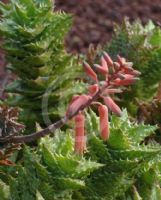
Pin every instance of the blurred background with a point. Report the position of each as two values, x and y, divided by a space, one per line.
93 21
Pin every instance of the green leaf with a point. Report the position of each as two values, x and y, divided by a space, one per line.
4 191
68 183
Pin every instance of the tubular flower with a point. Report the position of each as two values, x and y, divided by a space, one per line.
116 66
117 75
89 71
104 63
111 91
121 60
112 105
108 59
80 139
101 69
93 89
126 81
76 104
104 124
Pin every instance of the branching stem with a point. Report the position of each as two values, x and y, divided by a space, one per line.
51 128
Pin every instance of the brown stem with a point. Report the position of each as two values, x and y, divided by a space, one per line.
51 128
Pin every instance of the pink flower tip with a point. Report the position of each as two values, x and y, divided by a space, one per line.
89 71
108 59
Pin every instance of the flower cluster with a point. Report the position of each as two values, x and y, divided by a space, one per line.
107 78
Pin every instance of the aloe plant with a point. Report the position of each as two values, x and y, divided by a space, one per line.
53 170
121 168
127 161
34 43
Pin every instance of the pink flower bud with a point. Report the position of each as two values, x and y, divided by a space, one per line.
76 104
124 82
120 76
104 124
104 63
111 91
89 71
74 98
112 105
93 89
134 72
116 65
80 139
128 64
100 69
126 69
108 59
127 76
121 60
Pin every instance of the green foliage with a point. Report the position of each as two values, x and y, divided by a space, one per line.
4 191
53 171
121 169
149 185
34 43
152 116
142 46
126 161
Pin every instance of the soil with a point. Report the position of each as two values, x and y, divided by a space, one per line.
93 21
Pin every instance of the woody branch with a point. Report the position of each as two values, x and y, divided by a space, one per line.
51 128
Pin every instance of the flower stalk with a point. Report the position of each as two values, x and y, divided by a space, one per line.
101 89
